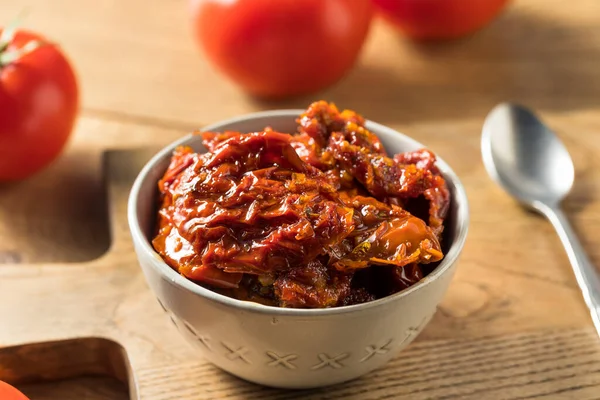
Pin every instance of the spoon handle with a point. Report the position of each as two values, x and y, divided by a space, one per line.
585 273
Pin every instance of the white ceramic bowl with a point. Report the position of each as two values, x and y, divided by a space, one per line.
291 348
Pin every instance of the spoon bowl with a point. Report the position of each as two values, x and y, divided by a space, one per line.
526 157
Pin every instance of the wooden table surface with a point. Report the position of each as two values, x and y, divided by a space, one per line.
513 324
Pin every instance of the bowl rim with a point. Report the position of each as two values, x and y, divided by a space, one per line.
177 279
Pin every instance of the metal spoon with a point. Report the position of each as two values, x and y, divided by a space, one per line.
530 162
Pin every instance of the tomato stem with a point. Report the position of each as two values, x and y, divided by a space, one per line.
8 35
9 57
9 32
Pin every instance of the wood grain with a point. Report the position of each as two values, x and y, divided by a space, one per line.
63 359
513 324
82 388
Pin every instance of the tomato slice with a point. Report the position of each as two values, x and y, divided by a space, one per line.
7 392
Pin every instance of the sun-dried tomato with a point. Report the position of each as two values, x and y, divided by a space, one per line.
318 218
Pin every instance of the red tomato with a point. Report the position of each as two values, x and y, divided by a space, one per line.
439 19
38 106
277 48
8 392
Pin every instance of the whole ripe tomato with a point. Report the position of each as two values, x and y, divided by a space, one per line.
38 104
278 48
439 19
8 392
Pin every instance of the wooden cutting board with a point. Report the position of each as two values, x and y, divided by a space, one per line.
77 320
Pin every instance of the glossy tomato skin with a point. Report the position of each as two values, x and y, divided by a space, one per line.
8 392
439 19
38 107
279 48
